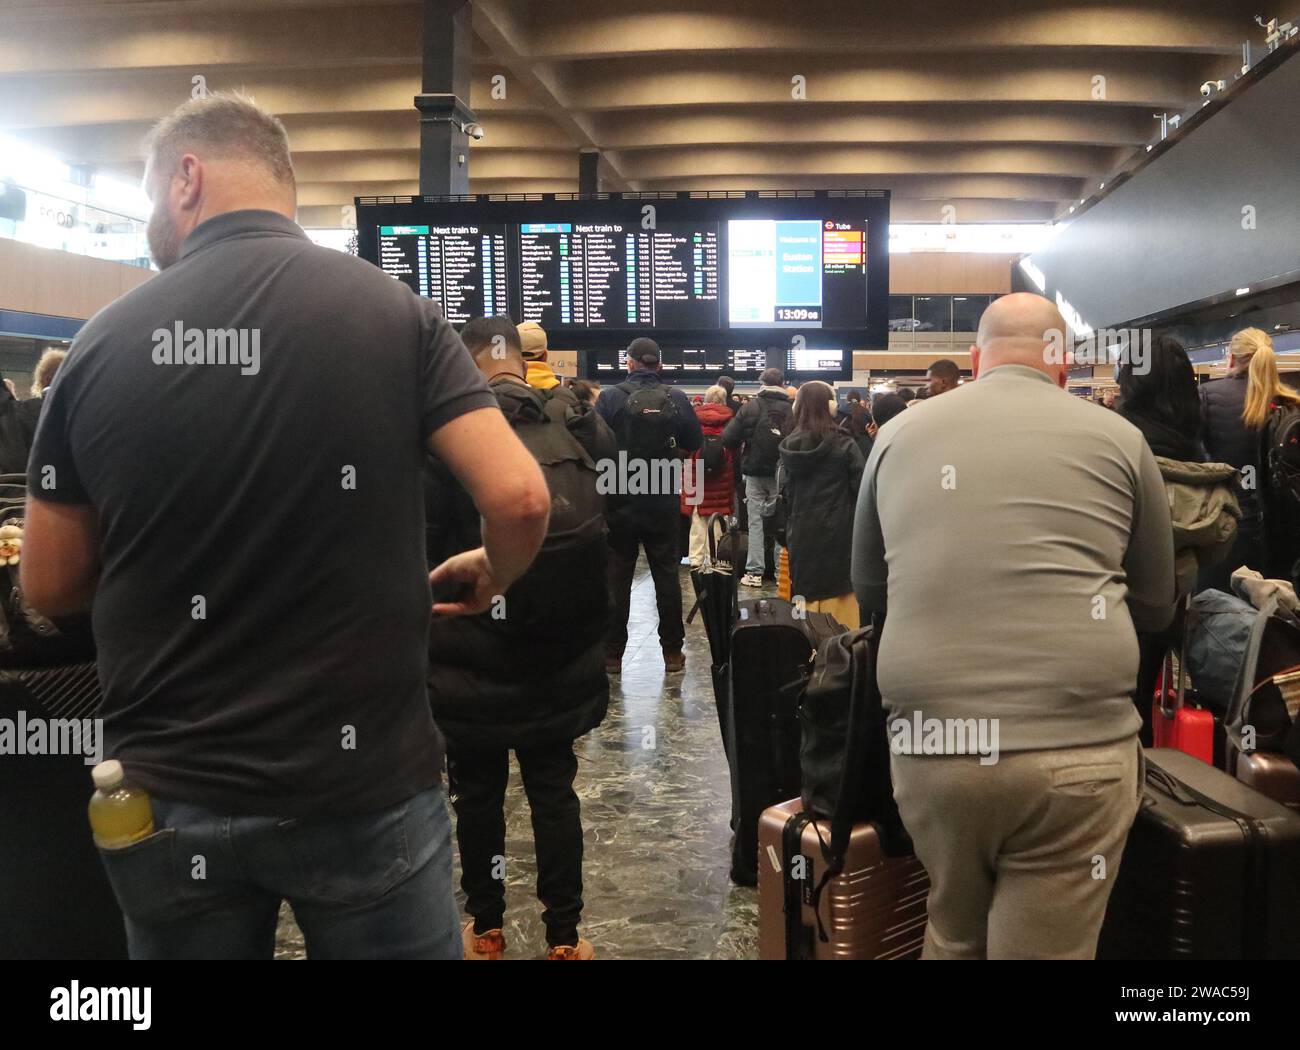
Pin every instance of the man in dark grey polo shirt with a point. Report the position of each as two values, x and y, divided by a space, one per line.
229 464
1017 536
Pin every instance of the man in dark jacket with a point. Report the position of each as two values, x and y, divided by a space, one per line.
655 424
729 385
17 429
758 429
527 675
1227 439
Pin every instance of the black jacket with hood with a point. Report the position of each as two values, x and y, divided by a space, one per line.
819 478
769 403
494 683
1225 435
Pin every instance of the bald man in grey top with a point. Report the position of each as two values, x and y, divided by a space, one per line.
1017 536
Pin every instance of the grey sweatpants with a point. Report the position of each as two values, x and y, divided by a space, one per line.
1022 854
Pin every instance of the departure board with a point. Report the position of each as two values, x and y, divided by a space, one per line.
615 275
462 268
745 361
756 272
679 362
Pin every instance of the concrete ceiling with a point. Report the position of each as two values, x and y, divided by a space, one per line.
991 108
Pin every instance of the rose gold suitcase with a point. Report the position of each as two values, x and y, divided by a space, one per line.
875 909
1270 773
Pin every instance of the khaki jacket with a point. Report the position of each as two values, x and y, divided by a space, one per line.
1204 510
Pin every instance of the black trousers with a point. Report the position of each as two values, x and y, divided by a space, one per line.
657 533
478 784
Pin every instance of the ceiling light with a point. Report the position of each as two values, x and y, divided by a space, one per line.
1243 291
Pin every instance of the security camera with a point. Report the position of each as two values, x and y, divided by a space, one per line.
474 131
1211 86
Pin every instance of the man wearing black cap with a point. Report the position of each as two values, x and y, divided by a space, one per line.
655 424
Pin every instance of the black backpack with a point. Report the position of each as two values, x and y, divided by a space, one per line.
844 748
649 420
1282 454
763 450
569 568
713 455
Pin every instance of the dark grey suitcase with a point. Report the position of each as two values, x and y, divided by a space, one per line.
771 655
1211 870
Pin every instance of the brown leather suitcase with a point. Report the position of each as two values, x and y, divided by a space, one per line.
875 909
1270 773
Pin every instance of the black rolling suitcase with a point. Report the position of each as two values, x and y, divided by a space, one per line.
771 653
1211 870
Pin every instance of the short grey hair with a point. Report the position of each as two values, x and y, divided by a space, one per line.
715 395
226 123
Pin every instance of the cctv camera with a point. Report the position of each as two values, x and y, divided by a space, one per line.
1207 87
474 131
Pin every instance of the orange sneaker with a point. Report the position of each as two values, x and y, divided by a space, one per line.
490 945
583 951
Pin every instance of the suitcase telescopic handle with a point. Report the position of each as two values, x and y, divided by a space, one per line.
1182 665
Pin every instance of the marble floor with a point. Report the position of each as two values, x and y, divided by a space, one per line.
655 809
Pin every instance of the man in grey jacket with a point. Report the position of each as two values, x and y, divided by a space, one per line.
758 430
1018 537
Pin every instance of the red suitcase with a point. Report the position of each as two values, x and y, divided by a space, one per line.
875 909
1177 724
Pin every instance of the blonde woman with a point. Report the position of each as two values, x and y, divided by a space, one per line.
1227 439
1270 407
46 368
30 410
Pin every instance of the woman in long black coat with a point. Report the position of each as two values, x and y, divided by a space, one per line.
821 469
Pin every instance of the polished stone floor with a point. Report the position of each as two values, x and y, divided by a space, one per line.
655 809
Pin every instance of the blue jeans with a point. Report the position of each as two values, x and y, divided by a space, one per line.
207 885
760 495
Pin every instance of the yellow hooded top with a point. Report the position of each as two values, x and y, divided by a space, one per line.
532 338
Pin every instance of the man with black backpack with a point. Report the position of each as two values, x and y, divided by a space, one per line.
655 425
527 674
758 430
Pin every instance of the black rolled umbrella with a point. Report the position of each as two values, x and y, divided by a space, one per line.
715 601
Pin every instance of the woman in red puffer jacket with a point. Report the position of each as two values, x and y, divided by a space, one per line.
719 484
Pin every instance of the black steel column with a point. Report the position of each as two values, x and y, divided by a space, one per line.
588 162
444 99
